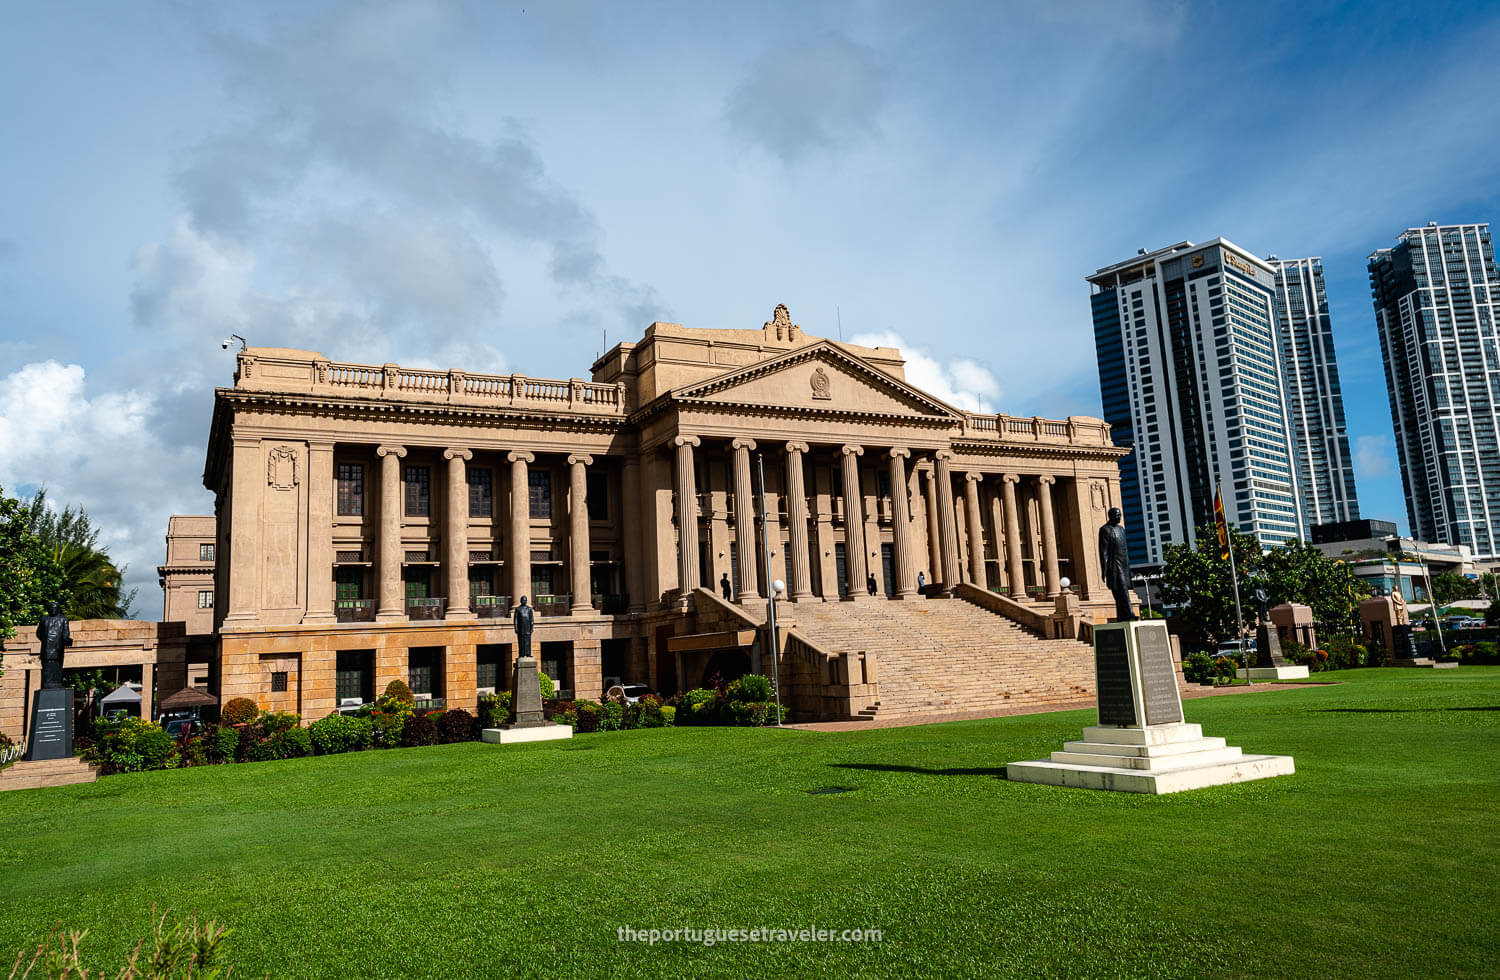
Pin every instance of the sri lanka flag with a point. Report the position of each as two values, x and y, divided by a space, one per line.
1219 523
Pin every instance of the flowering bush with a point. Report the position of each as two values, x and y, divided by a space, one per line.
398 691
133 745
494 710
288 743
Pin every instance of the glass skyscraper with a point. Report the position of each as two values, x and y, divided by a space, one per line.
1314 397
1436 293
1191 378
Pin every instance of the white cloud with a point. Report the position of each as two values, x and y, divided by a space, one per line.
961 382
1374 457
101 451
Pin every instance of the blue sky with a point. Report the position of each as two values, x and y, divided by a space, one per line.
502 187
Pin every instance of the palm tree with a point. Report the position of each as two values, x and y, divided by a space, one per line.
89 575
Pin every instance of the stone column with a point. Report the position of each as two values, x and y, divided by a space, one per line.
319 533
520 525
635 555
796 511
687 516
1049 535
934 535
247 480
578 534
947 520
392 602
456 535
744 521
854 524
1017 578
148 690
906 573
975 524
997 534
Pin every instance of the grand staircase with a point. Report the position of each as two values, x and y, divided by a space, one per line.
947 655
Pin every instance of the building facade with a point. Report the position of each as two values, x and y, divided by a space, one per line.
187 575
376 522
1314 396
1436 293
1191 378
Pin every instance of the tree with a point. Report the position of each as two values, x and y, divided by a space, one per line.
29 577
1295 572
90 579
1198 583
1492 614
1450 586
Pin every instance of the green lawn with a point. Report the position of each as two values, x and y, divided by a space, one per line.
1379 857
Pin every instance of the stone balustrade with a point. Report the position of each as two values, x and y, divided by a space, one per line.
1074 431
281 370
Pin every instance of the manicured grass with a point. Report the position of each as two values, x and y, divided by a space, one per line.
1378 858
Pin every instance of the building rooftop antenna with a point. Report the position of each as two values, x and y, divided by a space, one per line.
839 313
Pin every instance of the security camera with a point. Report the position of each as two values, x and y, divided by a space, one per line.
224 345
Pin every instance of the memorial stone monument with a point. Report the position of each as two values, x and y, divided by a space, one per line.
528 725
1141 743
1269 664
52 708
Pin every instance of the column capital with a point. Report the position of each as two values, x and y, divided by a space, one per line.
680 441
1010 478
852 450
899 451
746 444
584 458
320 446
520 456
398 451
944 454
455 453
974 477
1046 480
797 447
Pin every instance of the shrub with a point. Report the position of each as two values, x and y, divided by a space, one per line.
668 716
699 706
239 711
419 730
1197 667
289 743
587 713
753 713
1483 652
457 725
494 710
549 689
398 690
194 751
751 687
340 733
224 742
645 713
1224 668
133 745
612 716
564 713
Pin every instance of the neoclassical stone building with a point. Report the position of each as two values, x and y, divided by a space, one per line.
377 521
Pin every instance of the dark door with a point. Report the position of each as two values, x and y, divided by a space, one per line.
888 569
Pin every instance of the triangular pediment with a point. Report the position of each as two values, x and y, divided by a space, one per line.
818 378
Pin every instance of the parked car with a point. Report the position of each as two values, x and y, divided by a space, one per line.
181 728
1235 646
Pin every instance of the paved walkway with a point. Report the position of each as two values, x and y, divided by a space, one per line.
1188 693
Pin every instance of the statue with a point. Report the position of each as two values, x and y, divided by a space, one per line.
1114 561
53 632
1262 615
522 619
1399 614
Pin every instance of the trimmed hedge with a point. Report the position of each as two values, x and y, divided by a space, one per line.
239 711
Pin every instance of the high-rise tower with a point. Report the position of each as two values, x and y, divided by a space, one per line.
1314 397
1192 381
1436 293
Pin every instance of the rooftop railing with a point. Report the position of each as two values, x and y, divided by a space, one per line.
1077 430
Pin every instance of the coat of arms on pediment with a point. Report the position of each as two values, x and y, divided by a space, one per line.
820 377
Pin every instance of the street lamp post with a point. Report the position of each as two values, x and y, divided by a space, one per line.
773 586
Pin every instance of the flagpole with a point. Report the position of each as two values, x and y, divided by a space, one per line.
1234 579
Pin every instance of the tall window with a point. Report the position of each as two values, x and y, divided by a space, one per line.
349 583
351 489
882 483
598 497
205 552
541 495
418 582
205 598
481 493
418 491
541 581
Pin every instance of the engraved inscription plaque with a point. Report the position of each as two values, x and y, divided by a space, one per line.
1112 677
1158 676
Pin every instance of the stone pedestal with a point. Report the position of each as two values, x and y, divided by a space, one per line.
509 736
526 695
1291 672
51 733
1142 744
1268 646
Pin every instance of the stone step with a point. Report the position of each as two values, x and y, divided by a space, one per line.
1209 756
49 772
